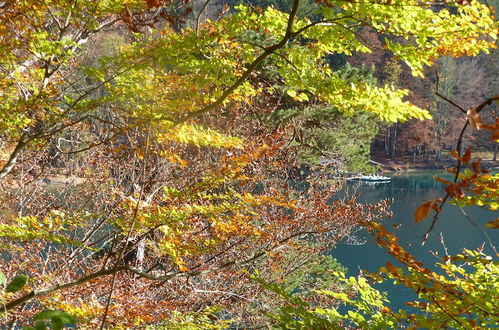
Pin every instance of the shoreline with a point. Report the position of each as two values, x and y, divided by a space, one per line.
394 166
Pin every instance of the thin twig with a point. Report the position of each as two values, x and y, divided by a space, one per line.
448 314
479 227
198 18
437 93
447 195
130 229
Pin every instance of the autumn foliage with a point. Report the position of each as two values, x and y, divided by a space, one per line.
143 179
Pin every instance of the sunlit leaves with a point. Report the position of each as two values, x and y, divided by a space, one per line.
52 228
196 194
473 187
204 319
428 33
201 137
366 307
478 189
221 49
457 294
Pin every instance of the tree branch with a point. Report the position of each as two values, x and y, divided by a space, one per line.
45 291
11 162
479 108
268 51
166 277
437 93
198 18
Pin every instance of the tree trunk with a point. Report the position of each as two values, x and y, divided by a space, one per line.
11 162
393 142
439 153
387 142
141 249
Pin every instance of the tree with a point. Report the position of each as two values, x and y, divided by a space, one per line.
323 135
459 296
177 203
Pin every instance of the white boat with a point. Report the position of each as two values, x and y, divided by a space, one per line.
371 178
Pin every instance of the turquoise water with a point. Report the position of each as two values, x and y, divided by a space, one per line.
408 192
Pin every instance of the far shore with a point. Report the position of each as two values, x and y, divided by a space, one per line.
402 165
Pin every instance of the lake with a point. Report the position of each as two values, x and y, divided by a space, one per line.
408 191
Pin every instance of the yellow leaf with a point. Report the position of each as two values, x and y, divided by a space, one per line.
140 154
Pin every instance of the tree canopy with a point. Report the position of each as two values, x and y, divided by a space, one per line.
174 147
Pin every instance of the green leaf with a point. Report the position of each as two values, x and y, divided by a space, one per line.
3 279
40 325
17 283
51 314
291 92
57 318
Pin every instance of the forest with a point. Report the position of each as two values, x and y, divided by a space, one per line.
177 164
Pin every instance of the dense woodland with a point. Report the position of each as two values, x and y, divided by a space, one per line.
153 159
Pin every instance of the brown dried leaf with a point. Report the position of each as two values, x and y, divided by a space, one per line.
422 211
467 156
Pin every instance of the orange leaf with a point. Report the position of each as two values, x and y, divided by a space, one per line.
391 267
451 189
442 180
493 224
476 166
495 130
422 211
495 135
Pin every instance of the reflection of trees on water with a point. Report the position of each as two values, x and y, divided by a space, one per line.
401 186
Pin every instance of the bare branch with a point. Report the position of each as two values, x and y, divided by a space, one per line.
437 93
198 18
